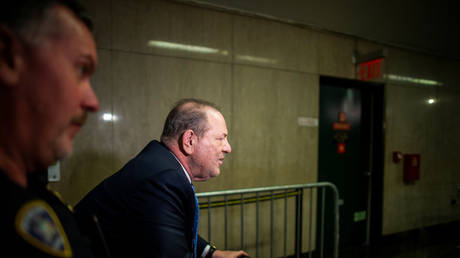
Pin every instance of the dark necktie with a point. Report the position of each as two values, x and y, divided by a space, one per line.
195 223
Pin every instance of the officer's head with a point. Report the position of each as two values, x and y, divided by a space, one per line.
47 55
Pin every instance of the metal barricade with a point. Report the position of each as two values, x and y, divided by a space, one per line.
248 201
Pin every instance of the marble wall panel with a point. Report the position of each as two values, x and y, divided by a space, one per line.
411 128
406 66
335 55
270 144
273 44
100 13
165 28
448 140
364 47
428 129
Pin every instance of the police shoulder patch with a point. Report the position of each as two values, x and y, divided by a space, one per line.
39 225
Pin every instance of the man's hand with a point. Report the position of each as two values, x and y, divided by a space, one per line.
229 254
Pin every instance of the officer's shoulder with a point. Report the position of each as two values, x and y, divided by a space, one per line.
37 223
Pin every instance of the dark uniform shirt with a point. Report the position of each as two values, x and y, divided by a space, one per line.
35 223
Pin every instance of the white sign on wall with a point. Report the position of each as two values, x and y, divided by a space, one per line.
54 172
307 121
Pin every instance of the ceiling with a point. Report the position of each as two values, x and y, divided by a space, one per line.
425 25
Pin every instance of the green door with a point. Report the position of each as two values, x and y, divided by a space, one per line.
344 160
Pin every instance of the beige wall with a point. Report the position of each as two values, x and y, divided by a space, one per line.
264 75
413 126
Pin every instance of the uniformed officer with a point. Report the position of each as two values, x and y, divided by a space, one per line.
47 55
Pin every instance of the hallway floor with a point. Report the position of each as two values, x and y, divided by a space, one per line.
446 250
442 241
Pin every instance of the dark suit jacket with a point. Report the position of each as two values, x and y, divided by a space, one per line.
144 210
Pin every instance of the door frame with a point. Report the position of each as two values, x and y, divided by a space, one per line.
377 92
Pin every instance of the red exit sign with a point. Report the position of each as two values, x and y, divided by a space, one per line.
370 70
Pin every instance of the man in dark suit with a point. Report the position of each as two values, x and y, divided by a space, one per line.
149 208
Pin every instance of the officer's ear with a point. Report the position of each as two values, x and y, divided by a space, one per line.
188 142
10 57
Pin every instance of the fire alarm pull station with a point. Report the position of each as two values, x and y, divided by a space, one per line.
411 169
397 156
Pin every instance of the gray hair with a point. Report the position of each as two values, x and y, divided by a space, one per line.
186 114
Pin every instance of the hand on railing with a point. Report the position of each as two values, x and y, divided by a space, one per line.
229 254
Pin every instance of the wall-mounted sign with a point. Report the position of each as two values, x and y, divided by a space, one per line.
359 216
370 66
54 172
341 148
341 127
370 70
307 121
341 124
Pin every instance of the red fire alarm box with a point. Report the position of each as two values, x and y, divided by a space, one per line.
411 167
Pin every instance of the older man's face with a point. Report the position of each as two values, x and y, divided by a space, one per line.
211 148
55 84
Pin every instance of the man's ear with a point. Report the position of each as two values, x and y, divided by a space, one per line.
10 57
188 141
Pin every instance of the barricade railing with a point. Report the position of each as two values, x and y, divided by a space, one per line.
252 202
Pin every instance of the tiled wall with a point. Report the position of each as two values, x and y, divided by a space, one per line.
264 74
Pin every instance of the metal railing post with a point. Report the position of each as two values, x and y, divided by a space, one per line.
257 225
285 223
310 226
271 223
242 222
323 200
298 225
209 218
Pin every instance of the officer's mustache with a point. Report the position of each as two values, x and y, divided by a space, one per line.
80 120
